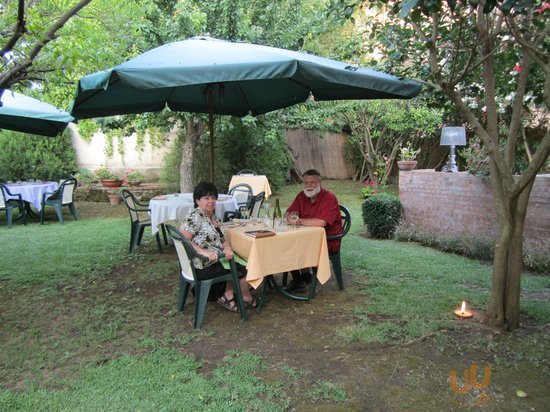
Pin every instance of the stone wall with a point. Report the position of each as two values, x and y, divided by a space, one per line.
459 202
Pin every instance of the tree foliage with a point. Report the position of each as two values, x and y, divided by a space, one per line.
34 157
490 59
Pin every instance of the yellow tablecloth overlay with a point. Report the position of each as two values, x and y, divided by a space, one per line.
293 249
259 183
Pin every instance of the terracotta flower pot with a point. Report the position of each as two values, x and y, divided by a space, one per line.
406 165
114 199
111 183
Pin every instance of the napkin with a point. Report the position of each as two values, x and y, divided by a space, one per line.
160 198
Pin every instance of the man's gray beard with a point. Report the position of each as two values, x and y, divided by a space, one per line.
313 193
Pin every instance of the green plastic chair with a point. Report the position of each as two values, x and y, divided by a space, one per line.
138 222
335 256
334 260
188 277
254 206
9 201
242 192
63 196
247 172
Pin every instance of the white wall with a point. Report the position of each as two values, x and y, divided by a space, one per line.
91 155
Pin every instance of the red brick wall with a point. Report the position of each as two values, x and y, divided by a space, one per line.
459 202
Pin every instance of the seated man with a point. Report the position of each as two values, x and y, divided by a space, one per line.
316 207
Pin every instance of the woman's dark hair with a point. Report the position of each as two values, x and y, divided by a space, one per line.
204 189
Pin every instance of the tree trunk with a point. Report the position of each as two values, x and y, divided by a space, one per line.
504 305
193 131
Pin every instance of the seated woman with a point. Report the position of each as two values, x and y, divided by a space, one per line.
203 229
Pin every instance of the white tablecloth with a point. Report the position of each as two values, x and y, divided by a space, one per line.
172 207
32 191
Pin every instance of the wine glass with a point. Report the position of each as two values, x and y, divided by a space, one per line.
266 221
245 213
294 218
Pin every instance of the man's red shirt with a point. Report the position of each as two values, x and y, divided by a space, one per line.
325 207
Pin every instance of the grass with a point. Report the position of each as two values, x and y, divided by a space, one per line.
86 326
58 253
163 377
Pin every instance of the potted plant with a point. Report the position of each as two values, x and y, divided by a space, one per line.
108 178
134 177
407 157
114 196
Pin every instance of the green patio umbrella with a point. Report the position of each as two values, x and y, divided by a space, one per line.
25 114
206 75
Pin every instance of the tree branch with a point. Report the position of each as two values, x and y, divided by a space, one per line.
19 70
517 110
19 31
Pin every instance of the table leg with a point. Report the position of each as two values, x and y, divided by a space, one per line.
281 289
29 210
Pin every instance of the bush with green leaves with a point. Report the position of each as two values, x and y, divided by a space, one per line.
26 156
256 143
381 215
474 246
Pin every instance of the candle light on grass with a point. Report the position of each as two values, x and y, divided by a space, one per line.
462 312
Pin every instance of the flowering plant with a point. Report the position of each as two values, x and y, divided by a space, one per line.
368 188
104 173
407 153
476 157
134 176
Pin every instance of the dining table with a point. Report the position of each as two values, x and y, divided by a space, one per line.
289 249
32 192
176 207
258 183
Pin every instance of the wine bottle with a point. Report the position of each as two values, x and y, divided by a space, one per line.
277 215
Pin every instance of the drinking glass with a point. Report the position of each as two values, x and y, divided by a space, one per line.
245 214
294 218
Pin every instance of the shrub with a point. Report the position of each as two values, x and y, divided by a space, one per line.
86 176
474 246
381 215
465 244
24 156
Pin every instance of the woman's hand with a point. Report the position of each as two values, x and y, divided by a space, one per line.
212 256
228 252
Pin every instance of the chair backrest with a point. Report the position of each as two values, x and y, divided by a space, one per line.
185 252
256 204
246 172
67 190
131 203
346 223
242 192
3 196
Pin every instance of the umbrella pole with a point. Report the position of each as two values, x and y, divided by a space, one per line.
211 126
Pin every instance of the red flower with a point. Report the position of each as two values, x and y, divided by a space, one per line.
517 68
542 8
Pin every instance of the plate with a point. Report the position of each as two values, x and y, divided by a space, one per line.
230 225
241 221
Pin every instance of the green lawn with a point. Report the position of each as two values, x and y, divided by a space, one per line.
86 326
